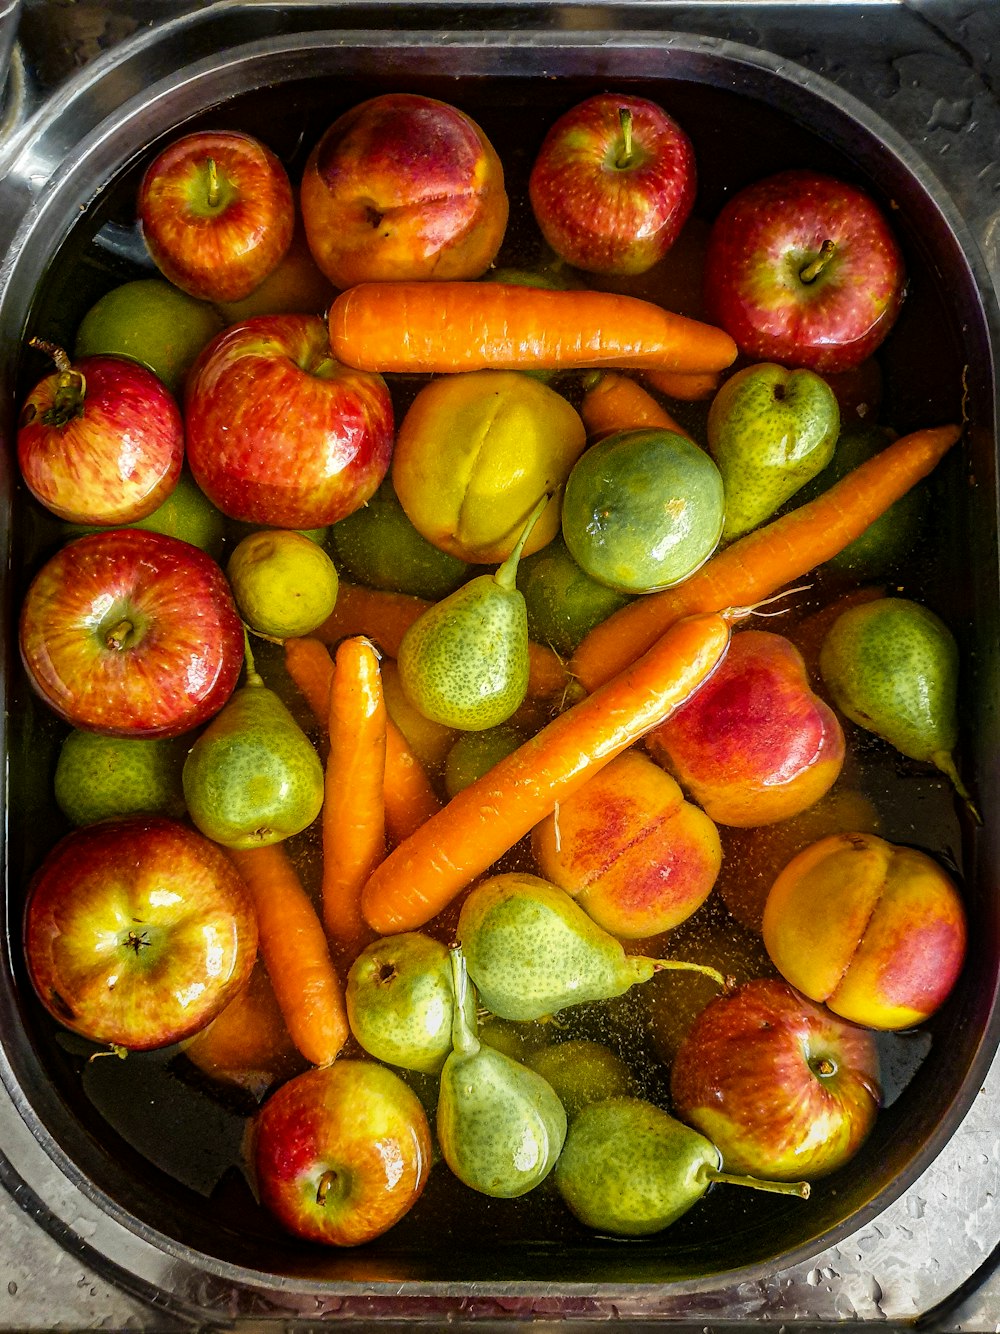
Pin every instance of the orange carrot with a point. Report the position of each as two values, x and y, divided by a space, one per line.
385 617
353 827
296 953
410 798
483 820
310 666
616 403
768 558
464 326
689 387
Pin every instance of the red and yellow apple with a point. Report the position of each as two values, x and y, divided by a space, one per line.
781 1086
138 932
754 744
875 930
100 441
341 1153
635 855
217 213
279 433
131 633
403 187
613 184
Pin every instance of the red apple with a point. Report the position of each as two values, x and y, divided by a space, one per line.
403 187
131 633
138 932
217 213
783 1087
613 184
278 432
100 441
341 1153
804 269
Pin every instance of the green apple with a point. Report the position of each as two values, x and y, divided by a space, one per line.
770 430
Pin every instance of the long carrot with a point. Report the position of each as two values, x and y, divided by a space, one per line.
384 617
616 403
483 820
409 795
464 326
296 953
353 819
689 387
768 558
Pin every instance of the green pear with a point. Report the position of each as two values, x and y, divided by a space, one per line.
253 777
891 665
631 1169
531 950
770 430
464 662
500 1126
400 1001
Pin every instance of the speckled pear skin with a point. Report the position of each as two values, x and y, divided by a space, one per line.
253 777
631 1169
770 431
501 1126
531 950
891 665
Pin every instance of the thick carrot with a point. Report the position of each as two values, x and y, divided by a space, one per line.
296 953
616 403
385 617
465 326
410 798
353 821
689 387
483 820
768 558
310 666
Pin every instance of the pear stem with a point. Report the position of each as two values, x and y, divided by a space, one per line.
463 1037
624 158
799 1188
942 759
254 677
506 575
681 965
811 271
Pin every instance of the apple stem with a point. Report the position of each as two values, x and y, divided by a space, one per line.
799 1188
71 386
624 158
212 171
119 635
811 271
326 1184
682 965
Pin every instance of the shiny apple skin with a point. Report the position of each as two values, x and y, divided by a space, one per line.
216 252
117 458
138 932
131 633
757 246
752 1075
403 187
341 1153
601 217
278 432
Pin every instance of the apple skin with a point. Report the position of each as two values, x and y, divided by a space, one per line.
781 1086
100 441
759 245
341 1153
403 187
138 932
131 633
216 249
598 212
278 432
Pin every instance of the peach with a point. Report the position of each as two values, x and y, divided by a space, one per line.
637 857
755 744
403 187
875 930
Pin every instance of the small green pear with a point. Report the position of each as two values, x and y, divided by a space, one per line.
400 1001
770 430
464 662
252 777
628 1168
531 950
891 665
500 1126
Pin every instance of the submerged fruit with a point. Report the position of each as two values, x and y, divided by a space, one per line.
284 583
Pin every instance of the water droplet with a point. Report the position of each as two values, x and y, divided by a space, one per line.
950 113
